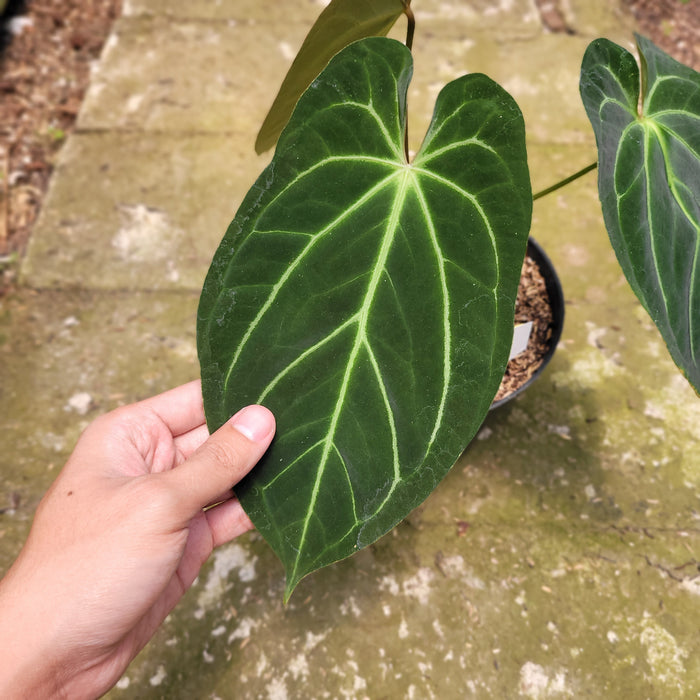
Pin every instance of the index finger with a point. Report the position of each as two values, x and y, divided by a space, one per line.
181 408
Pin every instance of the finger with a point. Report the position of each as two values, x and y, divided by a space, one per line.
227 456
207 530
181 409
227 521
187 443
220 498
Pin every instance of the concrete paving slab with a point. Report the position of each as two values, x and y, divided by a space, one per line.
164 74
236 10
546 91
138 211
134 149
65 358
147 212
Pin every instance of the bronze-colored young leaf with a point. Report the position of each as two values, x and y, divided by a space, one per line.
341 23
367 301
649 183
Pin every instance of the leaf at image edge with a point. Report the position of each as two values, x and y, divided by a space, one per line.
649 183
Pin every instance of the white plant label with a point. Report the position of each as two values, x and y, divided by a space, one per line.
521 337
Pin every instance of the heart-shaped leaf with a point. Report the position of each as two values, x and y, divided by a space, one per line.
367 301
341 23
649 183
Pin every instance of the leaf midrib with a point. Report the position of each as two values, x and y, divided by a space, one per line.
276 288
660 132
362 319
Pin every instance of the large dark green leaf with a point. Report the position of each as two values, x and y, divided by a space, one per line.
649 183
341 23
368 302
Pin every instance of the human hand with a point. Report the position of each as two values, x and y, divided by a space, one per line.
118 538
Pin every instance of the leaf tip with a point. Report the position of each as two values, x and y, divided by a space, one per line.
289 589
264 141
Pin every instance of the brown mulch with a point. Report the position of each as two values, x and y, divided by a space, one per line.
45 70
673 25
532 304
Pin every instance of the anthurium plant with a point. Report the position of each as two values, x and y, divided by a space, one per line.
367 297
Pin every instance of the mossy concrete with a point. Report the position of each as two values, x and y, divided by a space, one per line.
104 227
559 558
65 358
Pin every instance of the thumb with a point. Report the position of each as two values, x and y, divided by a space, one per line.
223 460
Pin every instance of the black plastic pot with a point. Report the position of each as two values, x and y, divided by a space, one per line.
556 302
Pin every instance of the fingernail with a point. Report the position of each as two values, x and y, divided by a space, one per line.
255 422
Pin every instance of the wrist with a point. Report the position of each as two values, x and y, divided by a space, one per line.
31 664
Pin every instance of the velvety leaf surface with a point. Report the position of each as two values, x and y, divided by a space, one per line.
649 183
340 23
368 302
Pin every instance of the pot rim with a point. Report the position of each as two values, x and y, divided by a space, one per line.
556 302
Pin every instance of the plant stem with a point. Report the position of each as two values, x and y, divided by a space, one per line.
410 30
411 23
566 181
